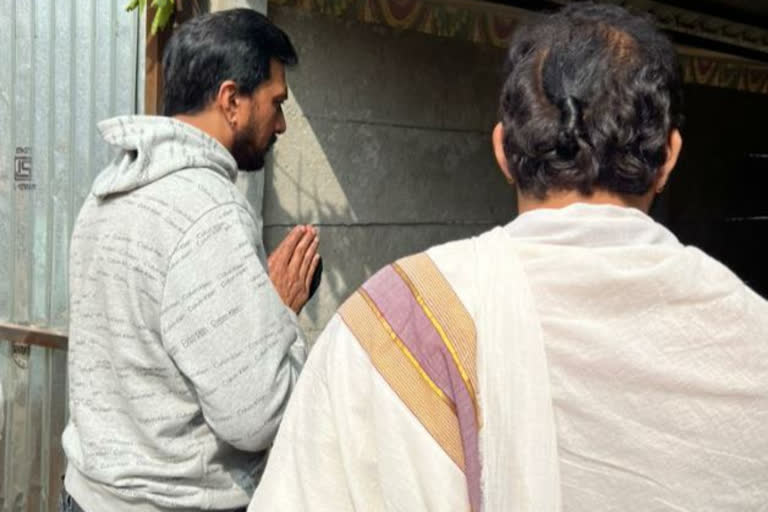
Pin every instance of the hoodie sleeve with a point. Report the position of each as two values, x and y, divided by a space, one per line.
227 330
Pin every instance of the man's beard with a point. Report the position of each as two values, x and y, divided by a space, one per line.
247 155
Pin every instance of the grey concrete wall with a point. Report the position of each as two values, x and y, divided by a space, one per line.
387 149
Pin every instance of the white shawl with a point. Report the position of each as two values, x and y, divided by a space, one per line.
518 446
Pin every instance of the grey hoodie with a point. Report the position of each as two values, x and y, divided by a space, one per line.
182 355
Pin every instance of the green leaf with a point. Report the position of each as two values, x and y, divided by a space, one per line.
161 4
165 9
134 4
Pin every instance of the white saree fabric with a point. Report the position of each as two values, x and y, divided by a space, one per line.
347 443
518 446
642 362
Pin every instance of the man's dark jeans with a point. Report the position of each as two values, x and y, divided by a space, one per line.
67 503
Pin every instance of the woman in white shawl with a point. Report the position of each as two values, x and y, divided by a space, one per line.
579 358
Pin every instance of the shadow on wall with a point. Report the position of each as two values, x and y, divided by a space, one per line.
387 149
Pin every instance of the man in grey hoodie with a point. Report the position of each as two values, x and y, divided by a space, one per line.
184 345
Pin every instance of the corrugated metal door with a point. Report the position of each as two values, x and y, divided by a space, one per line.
64 65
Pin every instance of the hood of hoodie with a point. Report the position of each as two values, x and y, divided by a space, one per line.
151 147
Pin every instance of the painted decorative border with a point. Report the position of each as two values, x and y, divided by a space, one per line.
467 21
729 74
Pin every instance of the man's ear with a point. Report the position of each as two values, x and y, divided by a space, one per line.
227 101
498 150
674 146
